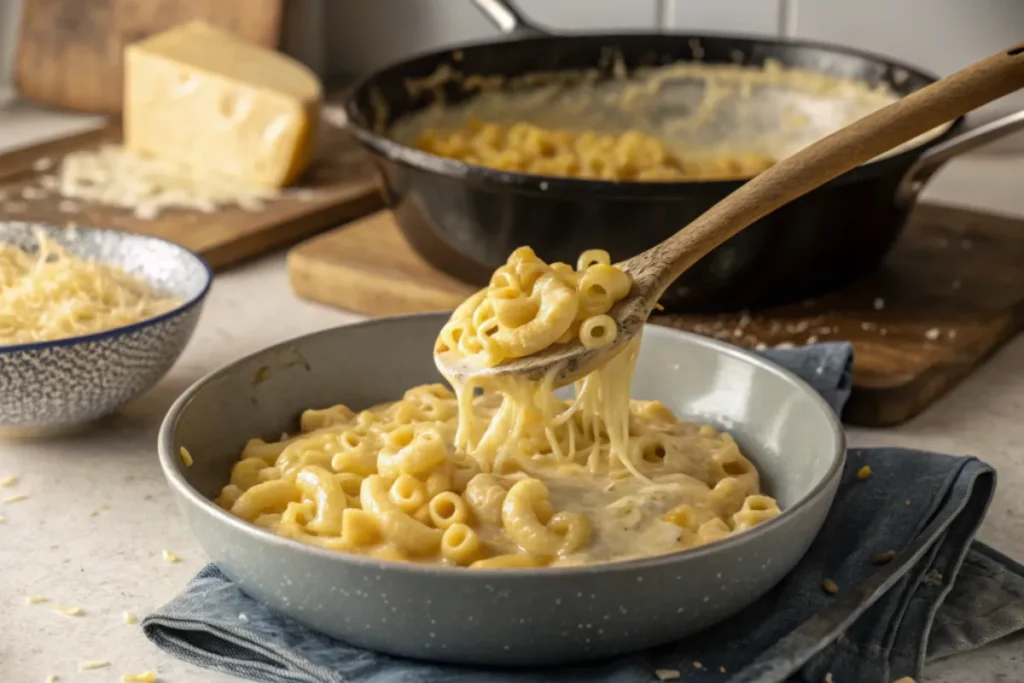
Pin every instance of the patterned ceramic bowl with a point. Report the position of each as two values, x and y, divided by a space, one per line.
69 382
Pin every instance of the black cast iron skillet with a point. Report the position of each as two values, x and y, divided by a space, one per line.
466 219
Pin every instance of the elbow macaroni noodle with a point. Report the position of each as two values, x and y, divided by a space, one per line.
504 474
629 156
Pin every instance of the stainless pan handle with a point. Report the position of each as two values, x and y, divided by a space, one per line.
508 19
918 175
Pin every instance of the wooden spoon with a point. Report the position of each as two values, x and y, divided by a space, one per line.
655 269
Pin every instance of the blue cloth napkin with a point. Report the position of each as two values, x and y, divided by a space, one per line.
940 593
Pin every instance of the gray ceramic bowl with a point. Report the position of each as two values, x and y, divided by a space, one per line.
62 384
511 617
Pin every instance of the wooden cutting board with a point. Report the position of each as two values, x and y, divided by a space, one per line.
949 295
340 185
70 52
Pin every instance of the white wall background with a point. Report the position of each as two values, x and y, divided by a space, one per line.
361 35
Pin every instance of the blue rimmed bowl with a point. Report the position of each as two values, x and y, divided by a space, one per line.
62 384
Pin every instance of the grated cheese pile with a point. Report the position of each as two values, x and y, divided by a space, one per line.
114 176
54 295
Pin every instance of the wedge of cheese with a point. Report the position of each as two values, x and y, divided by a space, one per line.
203 97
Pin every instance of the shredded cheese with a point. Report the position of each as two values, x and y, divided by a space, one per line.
666 674
16 498
55 295
129 618
114 176
9 480
144 677
186 457
170 556
98 509
35 599
95 664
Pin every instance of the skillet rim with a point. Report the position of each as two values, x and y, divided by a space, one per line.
169 463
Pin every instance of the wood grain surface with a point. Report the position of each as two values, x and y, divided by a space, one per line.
70 52
340 185
949 295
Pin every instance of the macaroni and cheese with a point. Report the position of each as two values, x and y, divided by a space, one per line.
632 155
502 473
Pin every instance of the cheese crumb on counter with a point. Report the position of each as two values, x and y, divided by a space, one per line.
186 457
144 677
9 480
35 599
666 674
98 509
51 679
3 519
16 498
171 556
830 586
69 610
129 618
864 472
94 664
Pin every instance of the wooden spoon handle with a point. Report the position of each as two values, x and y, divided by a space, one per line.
903 120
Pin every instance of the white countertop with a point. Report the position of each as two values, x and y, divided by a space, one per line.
62 544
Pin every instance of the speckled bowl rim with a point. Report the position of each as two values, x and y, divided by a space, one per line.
169 460
124 329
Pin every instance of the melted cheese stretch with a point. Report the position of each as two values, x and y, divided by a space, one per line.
509 476
54 295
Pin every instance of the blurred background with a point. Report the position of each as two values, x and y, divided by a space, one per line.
345 37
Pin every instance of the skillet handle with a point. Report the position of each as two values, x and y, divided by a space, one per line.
508 19
918 175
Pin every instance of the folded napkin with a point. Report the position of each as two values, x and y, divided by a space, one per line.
940 593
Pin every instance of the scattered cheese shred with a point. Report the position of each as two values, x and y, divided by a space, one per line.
130 618
54 295
186 457
99 508
9 480
35 599
69 610
171 556
2 519
144 677
95 664
666 674
864 472
884 558
51 679
830 586
697 665
114 176
16 498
